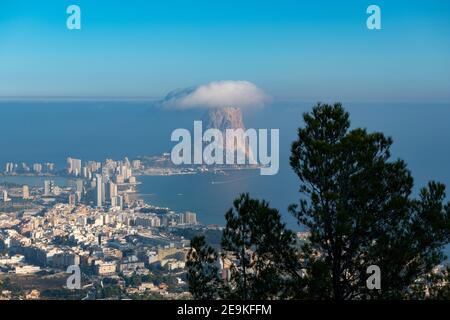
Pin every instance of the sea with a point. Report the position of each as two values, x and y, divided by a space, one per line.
52 130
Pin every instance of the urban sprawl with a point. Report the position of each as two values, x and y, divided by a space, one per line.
125 248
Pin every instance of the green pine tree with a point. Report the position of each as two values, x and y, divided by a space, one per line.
258 247
203 270
265 263
356 202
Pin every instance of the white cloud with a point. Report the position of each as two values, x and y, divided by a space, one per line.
218 94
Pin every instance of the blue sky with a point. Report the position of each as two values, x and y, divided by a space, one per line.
307 50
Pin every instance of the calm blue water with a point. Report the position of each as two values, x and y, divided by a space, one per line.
35 181
212 195
51 131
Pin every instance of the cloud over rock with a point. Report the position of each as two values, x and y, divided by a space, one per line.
217 94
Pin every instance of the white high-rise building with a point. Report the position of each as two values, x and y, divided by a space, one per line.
79 185
49 166
5 196
99 190
37 167
85 172
112 190
114 201
136 164
77 166
25 192
73 166
120 202
69 165
188 218
125 171
104 184
48 187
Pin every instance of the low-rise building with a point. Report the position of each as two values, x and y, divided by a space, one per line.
104 268
27 269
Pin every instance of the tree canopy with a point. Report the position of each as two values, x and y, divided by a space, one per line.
357 204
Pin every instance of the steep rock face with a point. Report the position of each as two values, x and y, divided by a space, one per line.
229 118
225 118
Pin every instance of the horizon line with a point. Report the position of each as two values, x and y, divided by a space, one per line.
154 99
